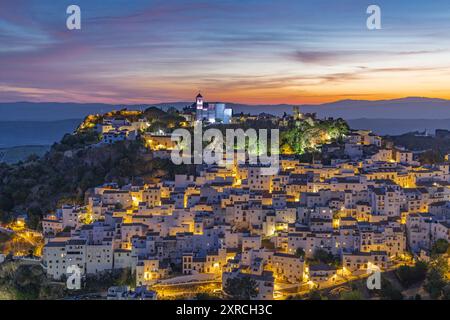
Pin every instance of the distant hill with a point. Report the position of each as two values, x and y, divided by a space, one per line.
399 126
51 111
23 133
406 108
16 154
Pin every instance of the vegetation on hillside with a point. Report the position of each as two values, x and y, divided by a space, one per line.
436 282
39 185
241 288
322 256
19 281
433 148
64 174
308 136
411 275
298 137
27 282
441 246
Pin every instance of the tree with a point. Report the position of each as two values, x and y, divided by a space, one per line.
440 247
300 253
308 135
314 295
205 296
410 275
6 203
435 279
435 283
323 256
351 295
27 281
388 292
32 157
241 287
446 292
124 277
5 217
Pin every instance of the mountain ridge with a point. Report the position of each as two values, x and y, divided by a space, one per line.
401 108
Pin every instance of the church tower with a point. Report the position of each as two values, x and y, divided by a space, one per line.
297 113
199 107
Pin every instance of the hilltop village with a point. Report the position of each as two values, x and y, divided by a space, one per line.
314 224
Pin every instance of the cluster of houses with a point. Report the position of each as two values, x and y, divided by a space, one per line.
117 127
114 129
372 207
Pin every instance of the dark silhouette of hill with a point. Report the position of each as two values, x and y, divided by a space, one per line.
405 108
400 126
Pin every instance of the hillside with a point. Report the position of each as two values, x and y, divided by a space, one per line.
30 134
68 170
75 164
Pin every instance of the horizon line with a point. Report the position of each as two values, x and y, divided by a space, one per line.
229 102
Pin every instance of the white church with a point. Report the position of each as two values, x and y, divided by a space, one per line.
212 112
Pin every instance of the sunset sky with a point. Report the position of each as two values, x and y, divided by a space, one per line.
247 51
